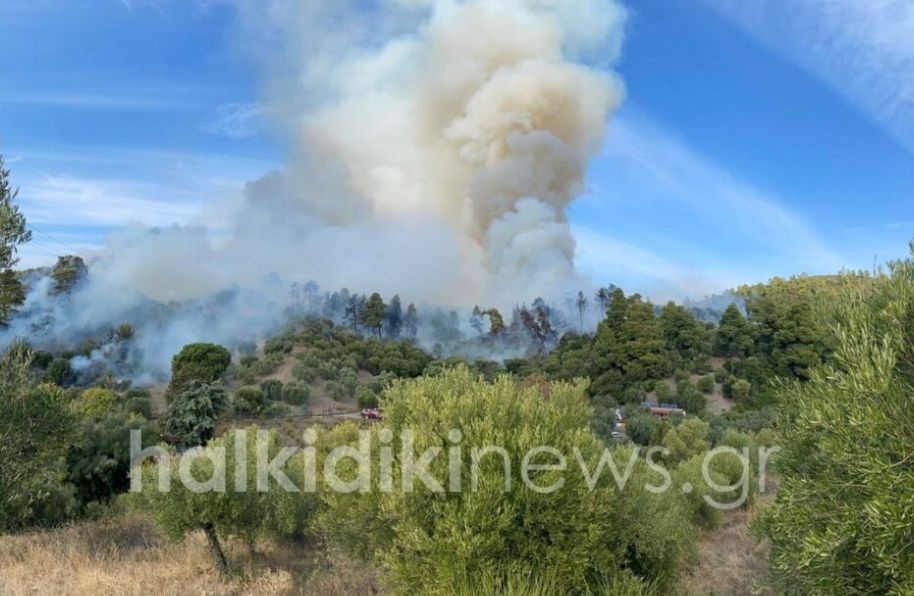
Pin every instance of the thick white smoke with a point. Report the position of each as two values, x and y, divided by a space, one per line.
479 118
436 147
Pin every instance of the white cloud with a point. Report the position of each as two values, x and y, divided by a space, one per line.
57 199
653 194
638 268
681 175
234 120
137 100
863 49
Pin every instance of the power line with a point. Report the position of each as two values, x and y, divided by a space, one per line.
53 239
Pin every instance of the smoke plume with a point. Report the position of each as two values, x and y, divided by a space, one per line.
435 147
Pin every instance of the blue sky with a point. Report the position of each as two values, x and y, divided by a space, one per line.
758 138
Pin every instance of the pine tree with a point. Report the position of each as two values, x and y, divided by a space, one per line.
734 334
372 315
411 320
393 318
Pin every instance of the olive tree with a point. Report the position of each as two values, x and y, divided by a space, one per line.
223 498
482 537
841 523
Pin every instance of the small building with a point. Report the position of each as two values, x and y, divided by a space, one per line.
662 410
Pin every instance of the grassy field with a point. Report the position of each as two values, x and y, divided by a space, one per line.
126 556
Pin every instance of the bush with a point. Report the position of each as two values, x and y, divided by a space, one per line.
140 406
344 386
366 398
690 399
249 401
738 389
98 461
306 372
272 390
31 474
721 375
663 391
58 372
682 375
640 427
571 538
296 394
688 439
96 403
706 385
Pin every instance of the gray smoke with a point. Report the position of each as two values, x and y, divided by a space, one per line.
436 147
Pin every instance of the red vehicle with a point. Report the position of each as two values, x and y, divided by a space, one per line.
371 414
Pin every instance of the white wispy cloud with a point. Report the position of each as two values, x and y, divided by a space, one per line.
716 196
608 259
863 49
663 217
55 199
234 120
136 100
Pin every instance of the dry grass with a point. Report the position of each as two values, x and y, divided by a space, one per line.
730 560
126 556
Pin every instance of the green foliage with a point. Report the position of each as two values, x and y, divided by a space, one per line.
249 401
687 440
344 385
201 362
689 398
738 389
734 334
641 426
690 472
96 402
58 371
706 385
272 390
373 313
684 334
13 233
841 523
569 539
296 394
246 514
663 391
35 426
139 406
98 461
366 398
192 414
67 273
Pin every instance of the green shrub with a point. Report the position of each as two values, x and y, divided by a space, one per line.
569 539
249 401
58 371
96 403
272 390
663 391
306 372
706 385
140 406
296 394
366 398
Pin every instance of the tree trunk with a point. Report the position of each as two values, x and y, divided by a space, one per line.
216 550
